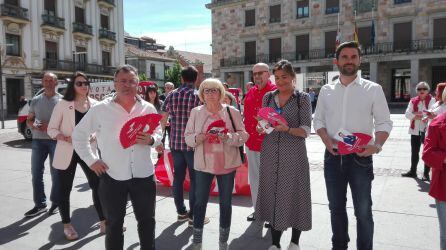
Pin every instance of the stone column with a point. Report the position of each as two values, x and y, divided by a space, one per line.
414 75
374 72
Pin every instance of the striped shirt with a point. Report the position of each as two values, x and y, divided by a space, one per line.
178 105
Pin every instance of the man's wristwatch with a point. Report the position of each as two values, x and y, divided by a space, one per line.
379 147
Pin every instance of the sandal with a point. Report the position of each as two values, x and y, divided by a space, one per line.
70 233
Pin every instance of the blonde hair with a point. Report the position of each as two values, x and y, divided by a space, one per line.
443 96
211 83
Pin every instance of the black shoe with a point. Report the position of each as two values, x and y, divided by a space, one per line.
53 210
183 217
267 225
409 174
35 211
251 217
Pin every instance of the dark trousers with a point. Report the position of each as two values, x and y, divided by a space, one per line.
339 172
166 132
415 143
66 178
183 160
203 187
113 195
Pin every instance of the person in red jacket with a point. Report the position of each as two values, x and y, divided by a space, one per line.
253 102
434 155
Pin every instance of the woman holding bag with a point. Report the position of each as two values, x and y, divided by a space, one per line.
216 132
66 115
284 198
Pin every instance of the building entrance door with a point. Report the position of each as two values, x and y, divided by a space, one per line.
400 85
14 89
438 75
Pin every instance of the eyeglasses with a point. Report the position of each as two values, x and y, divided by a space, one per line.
131 82
80 83
259 73
211 91
420 89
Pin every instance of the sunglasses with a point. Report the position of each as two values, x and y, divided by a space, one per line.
210 91
85 83
420 89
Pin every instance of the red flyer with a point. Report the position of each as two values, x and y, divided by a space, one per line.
132 127
352 143
215 129
270 115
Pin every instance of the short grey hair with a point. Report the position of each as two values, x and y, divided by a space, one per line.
425 85
169 84
126 68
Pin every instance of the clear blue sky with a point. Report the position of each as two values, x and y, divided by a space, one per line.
183 24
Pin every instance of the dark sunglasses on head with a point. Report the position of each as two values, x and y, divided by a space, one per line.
420 89
80 83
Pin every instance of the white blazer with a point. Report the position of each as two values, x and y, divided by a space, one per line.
63 122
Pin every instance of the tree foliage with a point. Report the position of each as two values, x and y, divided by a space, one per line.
173 74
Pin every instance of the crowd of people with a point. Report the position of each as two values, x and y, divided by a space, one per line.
75 129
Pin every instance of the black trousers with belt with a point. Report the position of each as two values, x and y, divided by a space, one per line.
415 143
113 195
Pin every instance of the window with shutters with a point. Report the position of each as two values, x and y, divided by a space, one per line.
275 13
302 47
402 36
106 58
250 18
439 34
302 9
330 43
331 6
275 49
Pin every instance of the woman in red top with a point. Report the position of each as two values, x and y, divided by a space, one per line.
434 155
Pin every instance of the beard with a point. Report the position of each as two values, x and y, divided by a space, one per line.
349 71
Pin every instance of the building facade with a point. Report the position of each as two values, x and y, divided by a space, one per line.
61 36
403 41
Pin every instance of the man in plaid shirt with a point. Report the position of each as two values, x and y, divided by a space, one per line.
177 106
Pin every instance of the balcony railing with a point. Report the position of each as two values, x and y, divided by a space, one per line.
111 2
68 65
83 28
415 46
54 21
107 34
14 11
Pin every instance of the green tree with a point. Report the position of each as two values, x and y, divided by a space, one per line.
143 77
173 74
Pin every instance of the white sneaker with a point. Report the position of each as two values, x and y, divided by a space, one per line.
273 247
293 246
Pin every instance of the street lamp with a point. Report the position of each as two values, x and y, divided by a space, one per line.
1 86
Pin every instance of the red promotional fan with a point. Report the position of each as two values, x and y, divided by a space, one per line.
352 143
132 127
270 115
214 129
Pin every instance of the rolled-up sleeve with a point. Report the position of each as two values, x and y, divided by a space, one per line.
319 114
381 113
81 136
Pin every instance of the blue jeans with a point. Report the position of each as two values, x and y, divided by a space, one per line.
183 160
203 187
340 171
41 148
441 211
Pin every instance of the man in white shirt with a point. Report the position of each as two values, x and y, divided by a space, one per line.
357 106
122 171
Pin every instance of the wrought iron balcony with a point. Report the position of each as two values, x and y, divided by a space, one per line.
415 46
70 66
107 34
83 28
13 11
107 3
53 21
55 64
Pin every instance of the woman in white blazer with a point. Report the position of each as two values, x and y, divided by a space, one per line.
66 114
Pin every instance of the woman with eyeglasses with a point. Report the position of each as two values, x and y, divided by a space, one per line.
417 112
66 115
216 132
284 198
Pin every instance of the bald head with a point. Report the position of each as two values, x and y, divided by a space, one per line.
260 74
